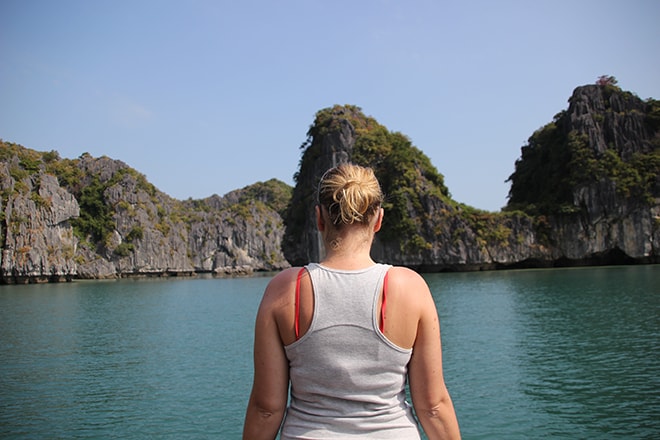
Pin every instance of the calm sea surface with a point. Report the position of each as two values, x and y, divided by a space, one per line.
555 353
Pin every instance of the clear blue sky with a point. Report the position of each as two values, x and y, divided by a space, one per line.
204 97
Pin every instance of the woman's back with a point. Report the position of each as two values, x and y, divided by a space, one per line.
347 378
319 335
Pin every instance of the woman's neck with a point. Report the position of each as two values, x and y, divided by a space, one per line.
350 253
347 261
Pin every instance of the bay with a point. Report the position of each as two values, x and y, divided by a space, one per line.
553 353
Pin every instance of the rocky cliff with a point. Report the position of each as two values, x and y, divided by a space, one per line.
423 227
586 190
98 218
36 235
593 174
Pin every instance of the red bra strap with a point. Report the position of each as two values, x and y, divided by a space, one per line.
382 307
297 318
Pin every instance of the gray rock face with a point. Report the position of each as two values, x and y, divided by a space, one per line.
335 147
157 235
231 243
611 120
609 221
38 244
147 232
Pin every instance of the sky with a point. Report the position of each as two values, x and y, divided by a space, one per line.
204 97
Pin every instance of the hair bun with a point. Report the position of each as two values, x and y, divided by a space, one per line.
351 194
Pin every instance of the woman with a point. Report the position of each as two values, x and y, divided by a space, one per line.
346 334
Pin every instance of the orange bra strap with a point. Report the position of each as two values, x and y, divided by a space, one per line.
297 318
382 307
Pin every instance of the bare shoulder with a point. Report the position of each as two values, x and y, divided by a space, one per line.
410 287
280 287
403 278
284 278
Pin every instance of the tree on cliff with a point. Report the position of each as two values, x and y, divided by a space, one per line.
606 80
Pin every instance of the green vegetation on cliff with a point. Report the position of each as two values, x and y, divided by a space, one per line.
95 219
615 137
91 180
273 193
406 174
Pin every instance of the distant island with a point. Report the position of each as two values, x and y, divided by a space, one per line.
585 191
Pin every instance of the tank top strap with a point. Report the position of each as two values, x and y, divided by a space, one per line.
384 303
297 303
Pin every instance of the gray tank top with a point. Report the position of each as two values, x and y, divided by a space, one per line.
347 379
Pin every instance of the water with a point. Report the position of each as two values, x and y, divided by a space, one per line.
561 353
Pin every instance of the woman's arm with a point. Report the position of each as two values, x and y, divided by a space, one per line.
268 399
430 397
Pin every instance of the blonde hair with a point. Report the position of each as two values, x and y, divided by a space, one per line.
350 193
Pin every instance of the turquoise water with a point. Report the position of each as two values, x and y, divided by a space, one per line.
559 353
